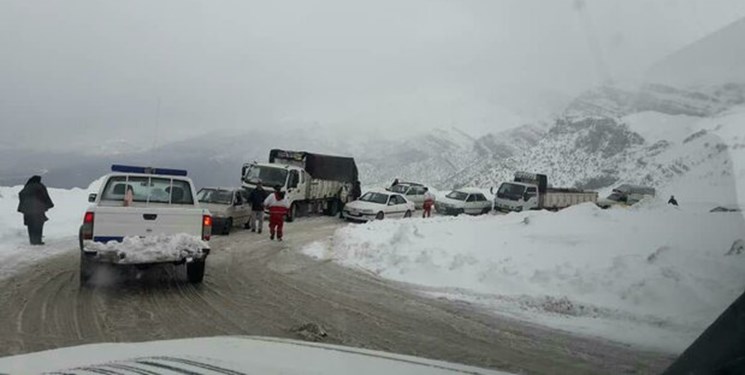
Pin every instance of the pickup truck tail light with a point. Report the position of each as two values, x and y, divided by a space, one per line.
206 227
87 230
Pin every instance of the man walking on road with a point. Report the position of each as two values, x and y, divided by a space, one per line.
278 209
429 201
256 198
33 203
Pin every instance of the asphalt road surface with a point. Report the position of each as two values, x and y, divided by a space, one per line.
254 286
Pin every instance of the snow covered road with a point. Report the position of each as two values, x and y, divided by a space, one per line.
257 287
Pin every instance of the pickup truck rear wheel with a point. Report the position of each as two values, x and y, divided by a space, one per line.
87 269
195 271
380 216
228 226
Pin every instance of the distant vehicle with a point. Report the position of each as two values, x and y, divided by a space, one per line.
163 203
530 191
377 205
314 183
626 195
725 209
229 207
463 201
413 191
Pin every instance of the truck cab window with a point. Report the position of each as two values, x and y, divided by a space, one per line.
294 179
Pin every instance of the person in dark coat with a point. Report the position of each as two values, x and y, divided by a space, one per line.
395 182
256 199
33 203
673 201
356 192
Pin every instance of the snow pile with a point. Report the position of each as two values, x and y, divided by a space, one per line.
154 249
653 275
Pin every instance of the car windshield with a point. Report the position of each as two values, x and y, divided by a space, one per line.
269 176
378 198
401 189
215 196
511 191
616 196
457 195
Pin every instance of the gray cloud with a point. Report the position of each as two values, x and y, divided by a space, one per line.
79 71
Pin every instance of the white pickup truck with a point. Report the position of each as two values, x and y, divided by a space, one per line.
145 216
530 191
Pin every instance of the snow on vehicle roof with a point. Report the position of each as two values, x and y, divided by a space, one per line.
167 176
221 188
470 190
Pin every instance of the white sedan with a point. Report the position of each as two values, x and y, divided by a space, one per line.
377 205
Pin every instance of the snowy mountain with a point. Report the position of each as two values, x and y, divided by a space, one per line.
607 137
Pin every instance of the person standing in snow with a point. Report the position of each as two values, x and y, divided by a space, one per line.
429 201
256 198
33 203
672 201
278 207
356 192
395 182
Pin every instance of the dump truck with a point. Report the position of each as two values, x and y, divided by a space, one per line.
530 191
313 183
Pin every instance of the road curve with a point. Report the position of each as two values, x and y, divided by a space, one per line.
254 286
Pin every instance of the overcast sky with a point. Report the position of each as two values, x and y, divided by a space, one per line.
94 71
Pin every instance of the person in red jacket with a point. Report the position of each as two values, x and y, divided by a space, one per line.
278 207
429 201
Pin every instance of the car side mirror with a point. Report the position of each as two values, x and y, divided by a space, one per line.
92 197
526 197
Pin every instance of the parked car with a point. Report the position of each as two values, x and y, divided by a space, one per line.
463 201
412 191
229 207
626 195
377 205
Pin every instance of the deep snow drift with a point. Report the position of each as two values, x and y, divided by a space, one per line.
652 275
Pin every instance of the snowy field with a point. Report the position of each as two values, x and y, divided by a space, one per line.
60 232
652 276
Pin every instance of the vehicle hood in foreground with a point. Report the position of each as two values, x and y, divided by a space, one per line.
233 355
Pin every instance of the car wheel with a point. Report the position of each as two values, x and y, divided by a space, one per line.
380 216
292 214
87 269
228 227
195 271
485 211
407 214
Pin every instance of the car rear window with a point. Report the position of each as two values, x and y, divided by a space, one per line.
148 189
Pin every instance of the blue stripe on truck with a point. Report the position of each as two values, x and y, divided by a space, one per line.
107 239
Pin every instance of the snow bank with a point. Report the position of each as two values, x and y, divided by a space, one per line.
652 275
160 248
